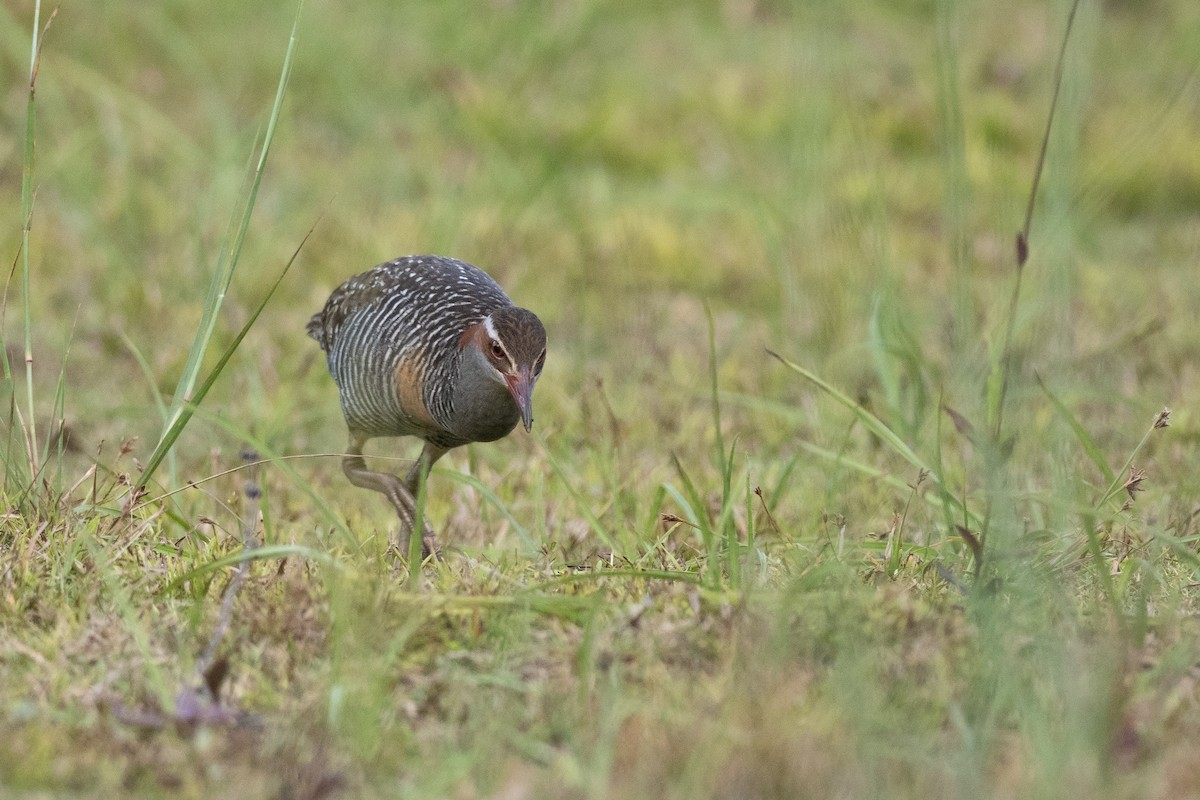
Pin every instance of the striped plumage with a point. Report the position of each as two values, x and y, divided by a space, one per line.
431 347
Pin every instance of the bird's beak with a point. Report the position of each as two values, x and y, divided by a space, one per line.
521 387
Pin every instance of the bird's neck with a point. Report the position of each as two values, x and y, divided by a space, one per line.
484 410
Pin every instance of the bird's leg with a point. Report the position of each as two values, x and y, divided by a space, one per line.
391 487
429 456
430 453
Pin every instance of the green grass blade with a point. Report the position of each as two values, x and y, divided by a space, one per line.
592 521
148 374
592 576
939 498
707 534
1118 479
1081 435
751 527
685 505
183 414
495 502
947 507
781 483
186 396
722 463
264 553
873 423
13 469
282 462
727 472
573 609
58 416
417 534
733 547
27 165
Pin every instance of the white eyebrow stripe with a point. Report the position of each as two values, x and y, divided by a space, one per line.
491 331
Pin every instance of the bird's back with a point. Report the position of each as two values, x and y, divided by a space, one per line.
391 339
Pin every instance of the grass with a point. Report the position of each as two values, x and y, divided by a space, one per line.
941 547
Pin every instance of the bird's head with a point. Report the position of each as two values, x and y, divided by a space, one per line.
512 342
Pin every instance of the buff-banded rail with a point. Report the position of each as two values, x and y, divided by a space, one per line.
431 347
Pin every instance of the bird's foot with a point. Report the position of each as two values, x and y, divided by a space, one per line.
430 547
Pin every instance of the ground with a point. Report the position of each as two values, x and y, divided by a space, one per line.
827 494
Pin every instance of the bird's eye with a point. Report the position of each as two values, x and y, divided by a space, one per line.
541 362
497 350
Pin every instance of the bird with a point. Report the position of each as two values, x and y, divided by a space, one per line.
431 347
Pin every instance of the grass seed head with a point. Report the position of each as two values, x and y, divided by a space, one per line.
1133 484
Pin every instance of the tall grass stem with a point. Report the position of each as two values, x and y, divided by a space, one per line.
186 394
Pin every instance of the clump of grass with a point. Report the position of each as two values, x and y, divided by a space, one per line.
26 471
189 394
973 527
